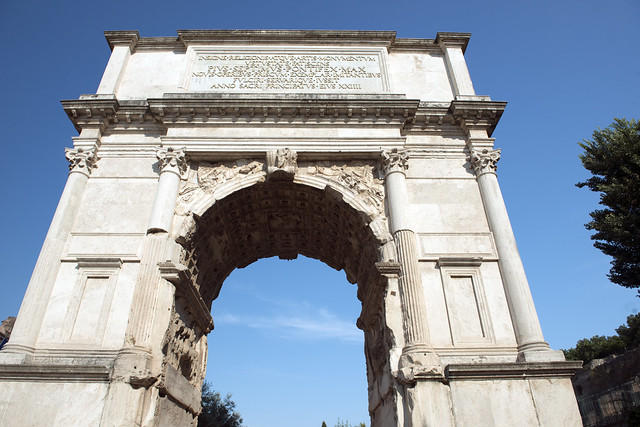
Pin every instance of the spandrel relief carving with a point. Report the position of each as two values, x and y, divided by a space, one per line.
203 177
359 177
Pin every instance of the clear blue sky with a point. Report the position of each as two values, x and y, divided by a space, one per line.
565 67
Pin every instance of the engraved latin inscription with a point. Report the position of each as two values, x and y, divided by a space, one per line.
260 72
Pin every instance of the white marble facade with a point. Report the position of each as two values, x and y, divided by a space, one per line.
204 152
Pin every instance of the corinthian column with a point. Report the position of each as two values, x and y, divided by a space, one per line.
523 313
418 358
34 304
172 164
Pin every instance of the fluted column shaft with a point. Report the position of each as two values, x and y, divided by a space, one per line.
523 313
172 164
414 315
34 305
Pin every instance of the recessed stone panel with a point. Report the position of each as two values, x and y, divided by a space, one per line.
242 70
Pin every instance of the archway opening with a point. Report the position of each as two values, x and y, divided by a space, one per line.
285 219
287 347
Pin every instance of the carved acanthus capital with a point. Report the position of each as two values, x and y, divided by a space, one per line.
81 160
394 160
484 161
172 160
282 163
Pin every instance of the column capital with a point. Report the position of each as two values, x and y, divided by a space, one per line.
484 161
81 160
172 160
394 160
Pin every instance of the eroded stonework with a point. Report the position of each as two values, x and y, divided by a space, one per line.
368 152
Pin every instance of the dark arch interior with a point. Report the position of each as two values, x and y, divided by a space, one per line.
279 219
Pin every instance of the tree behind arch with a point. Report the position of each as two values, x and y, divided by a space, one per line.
217 412
613 158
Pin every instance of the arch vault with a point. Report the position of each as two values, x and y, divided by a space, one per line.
370 153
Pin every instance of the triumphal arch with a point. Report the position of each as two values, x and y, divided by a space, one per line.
205 152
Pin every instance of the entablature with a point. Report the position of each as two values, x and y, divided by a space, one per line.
409 115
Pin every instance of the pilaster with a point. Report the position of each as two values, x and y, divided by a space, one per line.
453 46
122 44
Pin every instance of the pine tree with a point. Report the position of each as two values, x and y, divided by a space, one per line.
216 411
613 158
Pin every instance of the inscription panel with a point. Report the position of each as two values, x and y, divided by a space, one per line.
286 70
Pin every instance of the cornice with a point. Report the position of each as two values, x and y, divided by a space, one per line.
126 38
91 111
187 38
478 114
460 40
178 108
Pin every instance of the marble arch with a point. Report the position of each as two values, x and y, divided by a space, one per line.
204 152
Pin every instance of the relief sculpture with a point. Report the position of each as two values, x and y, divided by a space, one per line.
358 176
205 176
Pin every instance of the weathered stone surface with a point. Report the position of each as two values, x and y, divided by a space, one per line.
203 153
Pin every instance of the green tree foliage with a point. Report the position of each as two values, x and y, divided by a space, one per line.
217 412
598 347
613 158
630 333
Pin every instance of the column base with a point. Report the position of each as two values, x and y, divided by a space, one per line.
538 352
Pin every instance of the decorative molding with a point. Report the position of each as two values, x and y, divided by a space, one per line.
460 262
49 373
99 262
477 114
394 160
119 38
81 160
172 160
412 116
389 268
187 38
484 161
495 371
281 164
460 40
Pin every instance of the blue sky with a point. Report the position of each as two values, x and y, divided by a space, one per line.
565 67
